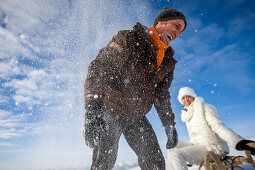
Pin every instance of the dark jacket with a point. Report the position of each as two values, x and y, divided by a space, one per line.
128 78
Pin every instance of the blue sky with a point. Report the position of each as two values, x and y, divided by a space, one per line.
45 50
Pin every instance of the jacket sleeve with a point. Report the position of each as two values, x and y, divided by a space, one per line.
104 69
219 127
162 100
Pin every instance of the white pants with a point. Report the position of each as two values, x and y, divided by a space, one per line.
183 154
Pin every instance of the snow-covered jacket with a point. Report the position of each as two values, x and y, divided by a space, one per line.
125 73
205 127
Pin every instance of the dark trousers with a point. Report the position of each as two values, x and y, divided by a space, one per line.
140 137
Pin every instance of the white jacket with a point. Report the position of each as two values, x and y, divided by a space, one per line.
205 127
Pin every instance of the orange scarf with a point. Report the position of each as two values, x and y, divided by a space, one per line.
160 46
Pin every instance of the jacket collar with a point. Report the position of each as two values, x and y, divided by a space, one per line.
164 68
143 31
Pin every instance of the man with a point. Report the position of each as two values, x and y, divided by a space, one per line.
206 131
129 75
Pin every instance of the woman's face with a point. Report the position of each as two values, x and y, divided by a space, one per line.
187 100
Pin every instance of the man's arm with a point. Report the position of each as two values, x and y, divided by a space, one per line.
162 100
101 72
163 106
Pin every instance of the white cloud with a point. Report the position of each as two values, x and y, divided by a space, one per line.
6 134
196 51
9 123
6 144
199 59
24 89
8 69
11 45
3 99
13 125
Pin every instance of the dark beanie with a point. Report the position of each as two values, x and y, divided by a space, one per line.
169 13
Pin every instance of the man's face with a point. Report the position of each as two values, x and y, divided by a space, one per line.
187 100
170 30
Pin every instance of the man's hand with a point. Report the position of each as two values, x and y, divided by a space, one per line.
94 123
246 145
172 136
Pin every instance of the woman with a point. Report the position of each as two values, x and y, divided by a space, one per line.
206 131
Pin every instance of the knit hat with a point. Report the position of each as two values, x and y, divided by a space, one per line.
186 91
169 13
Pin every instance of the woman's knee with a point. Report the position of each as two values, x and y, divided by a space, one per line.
176 156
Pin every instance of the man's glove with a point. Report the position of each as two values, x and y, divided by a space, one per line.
94 123
172 137
246 145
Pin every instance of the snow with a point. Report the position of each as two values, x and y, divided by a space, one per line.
126 166
136 168
53 92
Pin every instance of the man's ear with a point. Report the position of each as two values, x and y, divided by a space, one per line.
158 24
